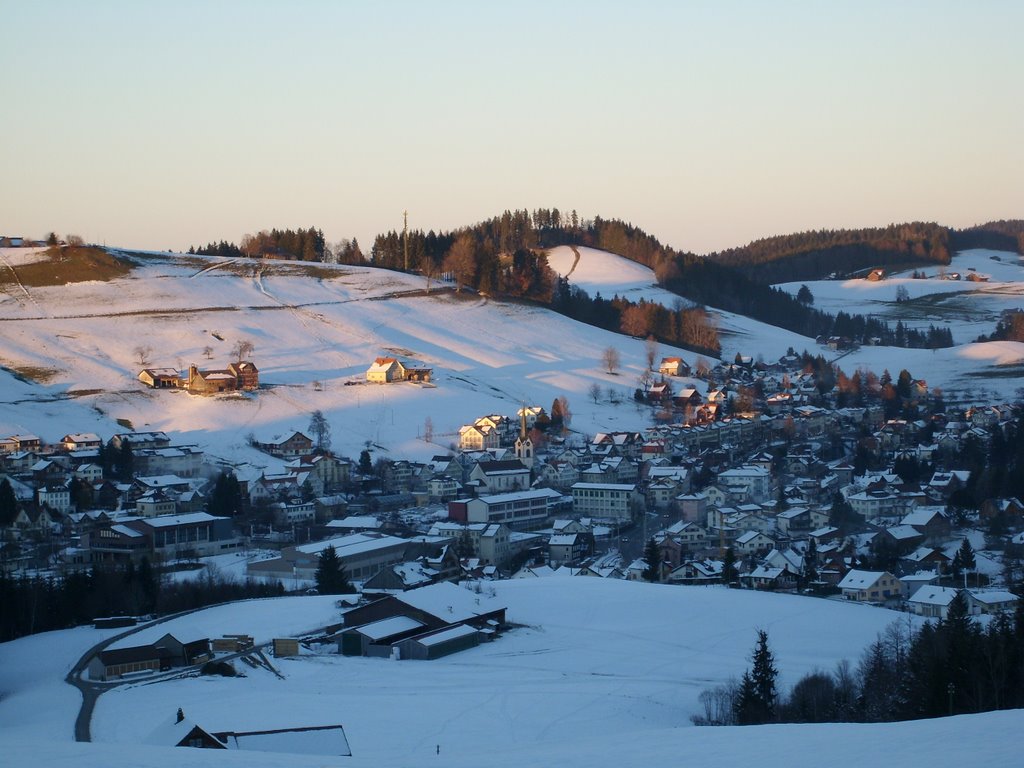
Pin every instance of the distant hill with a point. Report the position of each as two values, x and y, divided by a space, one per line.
812 255
1002 235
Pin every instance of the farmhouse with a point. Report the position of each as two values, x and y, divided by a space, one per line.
386 370
242 376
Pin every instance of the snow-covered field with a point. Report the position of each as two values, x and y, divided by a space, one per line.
601 673
969 308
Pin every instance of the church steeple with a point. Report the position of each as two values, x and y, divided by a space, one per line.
524 445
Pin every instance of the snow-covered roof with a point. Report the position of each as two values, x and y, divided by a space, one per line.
449 601
994 597
326 740
452 633
922 516
563 539
351 544
378 630
191 518
860 579
355 521
932 595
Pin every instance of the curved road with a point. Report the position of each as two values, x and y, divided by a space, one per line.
91 689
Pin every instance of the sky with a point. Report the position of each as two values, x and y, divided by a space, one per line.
160 125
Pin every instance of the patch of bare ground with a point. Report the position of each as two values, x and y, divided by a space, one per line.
67 264
30 374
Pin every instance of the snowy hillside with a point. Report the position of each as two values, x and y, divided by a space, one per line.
599 673
971 308
316 329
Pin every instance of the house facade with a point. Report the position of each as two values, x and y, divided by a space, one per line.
870 586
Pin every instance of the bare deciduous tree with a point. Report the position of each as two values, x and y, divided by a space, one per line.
142 354
651 351
208 352
611 360
243 349
461 260
563 403
594 390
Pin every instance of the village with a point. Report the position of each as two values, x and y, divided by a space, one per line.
778 477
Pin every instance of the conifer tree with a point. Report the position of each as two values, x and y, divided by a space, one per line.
755 702
729 572
331 578
964 559
365 462
653 559
8 503
226 499
765 674
124 462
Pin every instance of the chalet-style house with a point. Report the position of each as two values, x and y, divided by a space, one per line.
242 376
288 445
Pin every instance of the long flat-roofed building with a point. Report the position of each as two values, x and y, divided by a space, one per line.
520 511
605 500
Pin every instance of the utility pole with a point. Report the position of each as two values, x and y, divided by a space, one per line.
405 237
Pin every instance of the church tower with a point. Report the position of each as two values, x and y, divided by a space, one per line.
524 445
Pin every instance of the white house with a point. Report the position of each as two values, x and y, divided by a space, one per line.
932 601
869 586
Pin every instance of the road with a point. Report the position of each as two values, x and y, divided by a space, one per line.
631 542
91 689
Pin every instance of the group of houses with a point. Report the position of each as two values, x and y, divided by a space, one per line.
763 480
241 376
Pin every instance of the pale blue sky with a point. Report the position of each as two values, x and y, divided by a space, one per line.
157 125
